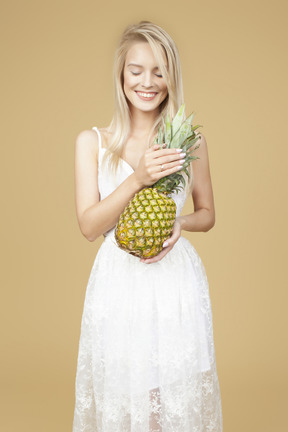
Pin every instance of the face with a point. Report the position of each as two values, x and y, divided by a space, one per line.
144 85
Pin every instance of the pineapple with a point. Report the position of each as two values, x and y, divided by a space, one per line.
148 219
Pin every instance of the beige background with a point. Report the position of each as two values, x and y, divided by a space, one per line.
56 81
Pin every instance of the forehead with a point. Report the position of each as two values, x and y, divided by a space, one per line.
141 53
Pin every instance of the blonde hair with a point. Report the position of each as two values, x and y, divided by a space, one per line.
165 51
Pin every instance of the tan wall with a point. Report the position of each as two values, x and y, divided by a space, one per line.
57 81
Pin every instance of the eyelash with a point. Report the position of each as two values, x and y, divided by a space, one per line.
138 73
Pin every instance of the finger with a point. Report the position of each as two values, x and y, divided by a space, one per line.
165 169
167 166
165 163
171 240
174 237
166 152
157 257
161 146
163 160
159 174
167 246
153 148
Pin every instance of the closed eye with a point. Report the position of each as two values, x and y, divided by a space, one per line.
138 73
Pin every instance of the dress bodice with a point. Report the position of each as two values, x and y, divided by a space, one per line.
108 182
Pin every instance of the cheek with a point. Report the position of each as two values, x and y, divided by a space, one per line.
164 89
128 80
126 84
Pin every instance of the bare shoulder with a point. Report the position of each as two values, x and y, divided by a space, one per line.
201 139
87 140
202 150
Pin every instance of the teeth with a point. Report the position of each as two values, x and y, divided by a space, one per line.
148 95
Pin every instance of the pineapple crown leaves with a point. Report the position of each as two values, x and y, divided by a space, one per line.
177 134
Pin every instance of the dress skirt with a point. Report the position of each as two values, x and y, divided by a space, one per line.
146 360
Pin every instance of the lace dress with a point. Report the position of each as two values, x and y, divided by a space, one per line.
146 360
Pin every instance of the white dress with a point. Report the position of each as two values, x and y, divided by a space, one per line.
146 360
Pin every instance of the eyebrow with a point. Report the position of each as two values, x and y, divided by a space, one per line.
134 64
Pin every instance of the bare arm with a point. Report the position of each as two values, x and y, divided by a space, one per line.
203 218
95 217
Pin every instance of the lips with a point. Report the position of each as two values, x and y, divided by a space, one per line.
146 95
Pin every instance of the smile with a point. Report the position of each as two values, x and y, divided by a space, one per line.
146 96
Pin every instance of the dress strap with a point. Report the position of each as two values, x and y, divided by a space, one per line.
99 136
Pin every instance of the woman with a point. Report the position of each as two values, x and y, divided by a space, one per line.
146 359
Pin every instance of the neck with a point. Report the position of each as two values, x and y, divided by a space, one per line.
141 122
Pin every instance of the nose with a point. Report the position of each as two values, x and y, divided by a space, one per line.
147 80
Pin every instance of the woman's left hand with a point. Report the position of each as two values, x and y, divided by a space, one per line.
176 233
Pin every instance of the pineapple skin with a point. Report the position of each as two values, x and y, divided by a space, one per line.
146 222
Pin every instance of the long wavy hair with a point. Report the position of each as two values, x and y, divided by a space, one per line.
165 52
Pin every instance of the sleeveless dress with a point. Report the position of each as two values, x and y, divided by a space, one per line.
146 359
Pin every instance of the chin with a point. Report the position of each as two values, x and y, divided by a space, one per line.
145 106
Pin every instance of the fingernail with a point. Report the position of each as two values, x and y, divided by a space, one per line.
182 161
165 244
178 150
183 154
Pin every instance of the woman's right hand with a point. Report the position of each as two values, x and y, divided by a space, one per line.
157 163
